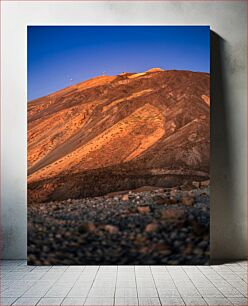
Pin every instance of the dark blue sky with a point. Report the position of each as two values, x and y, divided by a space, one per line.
59 56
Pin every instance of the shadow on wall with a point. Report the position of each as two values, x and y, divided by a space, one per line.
221 169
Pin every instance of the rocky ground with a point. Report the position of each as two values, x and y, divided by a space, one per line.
144 226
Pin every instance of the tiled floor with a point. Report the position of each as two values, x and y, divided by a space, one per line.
123 285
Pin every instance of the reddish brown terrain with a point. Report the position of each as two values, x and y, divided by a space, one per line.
122 132
118 171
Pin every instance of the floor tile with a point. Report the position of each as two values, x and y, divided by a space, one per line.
58 268
229 291
122 301
79 291
50 301
239 301
75 268
58 291
194 301
149 301
13 292
147 292
104 283
166 292
126 292
38 290
99 301
130 285
42 268
7 300
167 301
210 292
189 292
102 292
27 301
73 301
125 283
217 301
125 269
164 284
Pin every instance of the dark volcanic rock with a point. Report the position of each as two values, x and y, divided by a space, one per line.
105 230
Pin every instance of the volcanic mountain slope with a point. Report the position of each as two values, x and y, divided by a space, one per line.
119 132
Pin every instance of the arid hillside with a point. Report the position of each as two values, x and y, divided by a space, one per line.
114 133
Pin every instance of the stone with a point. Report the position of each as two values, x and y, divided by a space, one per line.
187 201
191 193
140 240
111 229
152 227
159 200
196 184
173 192
172 200
162 248
205 184
125 197
101 230
143 209
144 250
172 214
87 227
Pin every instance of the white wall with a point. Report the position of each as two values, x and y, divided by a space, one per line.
229 97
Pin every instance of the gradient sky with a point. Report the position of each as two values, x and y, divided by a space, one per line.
59 56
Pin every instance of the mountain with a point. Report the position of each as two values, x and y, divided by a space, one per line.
114 133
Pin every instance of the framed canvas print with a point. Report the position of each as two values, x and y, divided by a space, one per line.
118 145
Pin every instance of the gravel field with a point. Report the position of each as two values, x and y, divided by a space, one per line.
145 226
